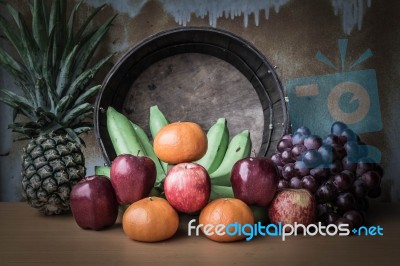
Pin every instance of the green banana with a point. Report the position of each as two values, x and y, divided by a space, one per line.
157 121
148 148
218 140
239 147
122 134
102 170
218 192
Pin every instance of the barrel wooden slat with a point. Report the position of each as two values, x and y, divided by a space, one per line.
267 78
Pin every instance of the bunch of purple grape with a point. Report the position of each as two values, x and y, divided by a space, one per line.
336 169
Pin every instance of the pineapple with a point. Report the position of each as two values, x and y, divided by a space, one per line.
52 70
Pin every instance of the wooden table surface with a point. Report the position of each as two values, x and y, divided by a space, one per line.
28 238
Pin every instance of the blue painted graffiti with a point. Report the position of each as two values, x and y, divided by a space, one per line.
347 96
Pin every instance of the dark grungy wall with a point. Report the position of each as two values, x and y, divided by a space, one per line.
289 33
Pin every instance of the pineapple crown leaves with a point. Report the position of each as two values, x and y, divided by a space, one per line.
52 68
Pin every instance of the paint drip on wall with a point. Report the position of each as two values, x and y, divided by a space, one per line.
182 11
351 11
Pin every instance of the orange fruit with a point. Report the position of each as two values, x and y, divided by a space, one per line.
225 211
180 142
150 219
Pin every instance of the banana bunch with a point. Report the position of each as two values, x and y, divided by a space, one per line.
221 155
239 147
217 143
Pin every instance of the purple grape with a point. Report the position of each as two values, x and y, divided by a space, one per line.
352 149
288 171
365 165
337 128
351 175
284 144
346 201
298 150
320 172
349 135
359 188
301 168
277 159
287 156
298 138
312 142
349 163
323 209
326 193
330 183
326 153
303 130
371 179
355 217
295 182
287 136
339 151
342 140
331 139
311 158
335 167
308 182
283 184
330 218
342 182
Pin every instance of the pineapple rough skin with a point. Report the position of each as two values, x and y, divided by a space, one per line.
51 165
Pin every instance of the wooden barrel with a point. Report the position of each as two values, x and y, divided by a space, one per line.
196 74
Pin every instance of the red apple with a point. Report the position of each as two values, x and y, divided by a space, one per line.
93 203
132 177
187 187
255 180
293 205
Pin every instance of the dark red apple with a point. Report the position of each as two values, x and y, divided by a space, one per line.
132 177
293 205
187 187
93 203
255 180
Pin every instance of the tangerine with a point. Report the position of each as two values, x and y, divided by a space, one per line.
150 219
225 211
180 142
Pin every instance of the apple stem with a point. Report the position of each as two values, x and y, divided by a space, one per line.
150 199
138 153
253 153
